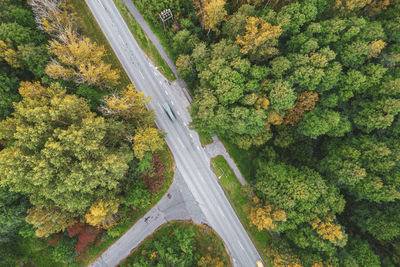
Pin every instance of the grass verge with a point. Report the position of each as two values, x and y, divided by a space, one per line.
89 27
144 41
207 242
205 139
244 159
239 202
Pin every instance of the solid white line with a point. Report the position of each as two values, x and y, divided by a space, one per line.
141 74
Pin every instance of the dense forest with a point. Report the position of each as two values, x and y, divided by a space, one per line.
311 90
76 147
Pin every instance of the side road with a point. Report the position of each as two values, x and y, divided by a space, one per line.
177 204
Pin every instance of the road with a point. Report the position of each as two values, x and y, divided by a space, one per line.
190 158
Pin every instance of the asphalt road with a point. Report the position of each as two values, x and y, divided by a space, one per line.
190 157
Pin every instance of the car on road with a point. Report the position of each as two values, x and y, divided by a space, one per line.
259 264
169 111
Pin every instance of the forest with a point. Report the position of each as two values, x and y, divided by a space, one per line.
306 93
62 104
309 91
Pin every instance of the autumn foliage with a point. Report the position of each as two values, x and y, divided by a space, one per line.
155 178
305 102
327 229
265 217
86 236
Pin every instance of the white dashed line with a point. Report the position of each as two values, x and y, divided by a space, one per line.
240 244
166 92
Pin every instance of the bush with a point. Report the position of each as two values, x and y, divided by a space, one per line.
64 251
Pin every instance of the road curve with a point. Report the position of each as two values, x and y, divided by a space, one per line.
190 158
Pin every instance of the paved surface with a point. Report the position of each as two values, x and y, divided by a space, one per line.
190 158
218 148
177 204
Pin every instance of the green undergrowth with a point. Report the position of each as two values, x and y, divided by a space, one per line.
240 202
206 242
144 41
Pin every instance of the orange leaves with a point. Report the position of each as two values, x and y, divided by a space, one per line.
265 217
32 89
259 33
305 102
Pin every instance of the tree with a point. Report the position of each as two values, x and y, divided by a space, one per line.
101 213
212 13
301 193
83 61
130 105
64 250
327 229
261 38
147 140
51 129
282 96
305 102
266 217
209 261
365 166
49 220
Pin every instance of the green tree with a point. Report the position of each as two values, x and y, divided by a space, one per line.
51 129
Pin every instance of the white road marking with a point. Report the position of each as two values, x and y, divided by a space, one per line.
178 113
141 74
240 244
166 92
191 135
172 102
181 143
119 35
222 213
101 4
198 147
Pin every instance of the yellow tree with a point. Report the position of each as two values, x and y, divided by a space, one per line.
129 104
260 37
212 13
371 6
147 140
327 229
82 61
376 47
32 89
8 54
101 213
49 220
266 217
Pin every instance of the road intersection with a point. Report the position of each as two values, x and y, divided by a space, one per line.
191 160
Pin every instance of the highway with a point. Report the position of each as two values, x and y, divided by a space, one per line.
190 158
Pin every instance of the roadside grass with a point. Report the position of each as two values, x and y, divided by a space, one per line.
205 243
157 28
240 203
144 41
133 216
89 27
205 139
244 159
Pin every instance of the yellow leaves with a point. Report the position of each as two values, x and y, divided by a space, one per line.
9 55
81 61
265 217
49 220
259 33
101 213
262 102
212 13
147 140
327 229
282 259
376 47
32 89
130 104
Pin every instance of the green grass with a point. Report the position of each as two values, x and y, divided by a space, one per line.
244 159
206 243
205 139
240 202
144 41
89 27
156 28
